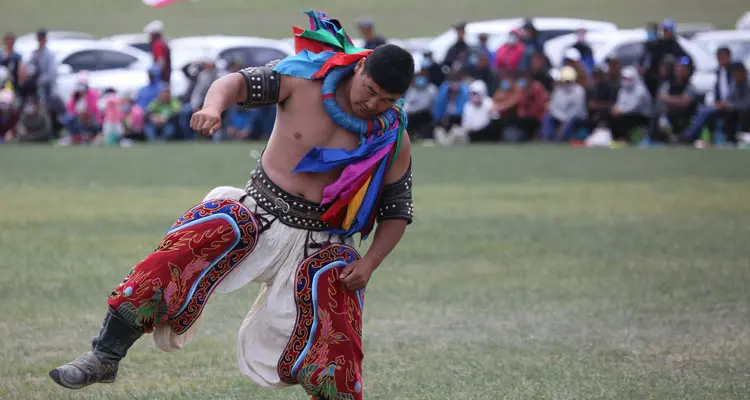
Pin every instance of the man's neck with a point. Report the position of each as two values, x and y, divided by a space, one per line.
342 95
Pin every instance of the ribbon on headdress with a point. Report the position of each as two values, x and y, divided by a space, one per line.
326 52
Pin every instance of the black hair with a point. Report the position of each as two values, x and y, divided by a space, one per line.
391 68
738 67
724 50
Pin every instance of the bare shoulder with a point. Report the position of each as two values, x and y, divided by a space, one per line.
403 161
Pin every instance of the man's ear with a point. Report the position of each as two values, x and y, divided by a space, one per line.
360 65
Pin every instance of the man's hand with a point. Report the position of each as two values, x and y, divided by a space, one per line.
615 112
722 105
206 121
356 275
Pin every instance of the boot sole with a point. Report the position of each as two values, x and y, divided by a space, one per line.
55 375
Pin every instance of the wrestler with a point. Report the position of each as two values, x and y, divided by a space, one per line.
338 161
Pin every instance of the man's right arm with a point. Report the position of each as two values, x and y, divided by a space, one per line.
252 87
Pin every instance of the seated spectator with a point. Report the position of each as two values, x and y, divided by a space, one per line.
517 110
677 103
540 73
35 124
509 55
113 122
83 118
150 92
261 122
434 70
238 123
566 112
449 104
532 106
135 119
733 112
162 117
481 70
419 101
476 115
719 95
8 115
601 97
613 68
632 108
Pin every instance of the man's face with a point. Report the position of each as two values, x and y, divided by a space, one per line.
42 39
483 61
723 58
365 30
668 34
581 35
366 98
682 71
164 96
460 33
739 76
8 42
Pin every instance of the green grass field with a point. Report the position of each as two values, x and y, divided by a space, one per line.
395 18
530 273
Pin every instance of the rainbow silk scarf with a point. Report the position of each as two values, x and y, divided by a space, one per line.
326 52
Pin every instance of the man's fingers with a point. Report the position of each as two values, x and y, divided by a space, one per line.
215 127
346 272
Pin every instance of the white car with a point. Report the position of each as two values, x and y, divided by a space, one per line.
140 41
628 46
738 43
249 51
109 65
498 31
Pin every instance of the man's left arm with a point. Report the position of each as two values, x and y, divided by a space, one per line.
394 213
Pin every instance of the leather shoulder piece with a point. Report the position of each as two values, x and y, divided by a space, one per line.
396 200
263 86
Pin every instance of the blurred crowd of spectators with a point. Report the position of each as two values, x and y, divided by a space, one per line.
512 95
473 95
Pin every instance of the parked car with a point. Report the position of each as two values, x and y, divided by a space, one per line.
498 31
249 51
629 46
140 41
108 64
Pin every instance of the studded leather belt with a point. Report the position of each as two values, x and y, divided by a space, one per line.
288 209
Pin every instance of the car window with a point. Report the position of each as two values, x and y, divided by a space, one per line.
545 35
142 46
115 60
87 60
629 54
252 56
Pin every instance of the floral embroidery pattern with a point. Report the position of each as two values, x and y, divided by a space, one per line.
324 353
174 282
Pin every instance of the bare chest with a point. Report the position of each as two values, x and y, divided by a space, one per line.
304 121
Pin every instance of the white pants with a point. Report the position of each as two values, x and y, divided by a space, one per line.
268 325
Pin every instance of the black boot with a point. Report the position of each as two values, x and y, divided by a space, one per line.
100 364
